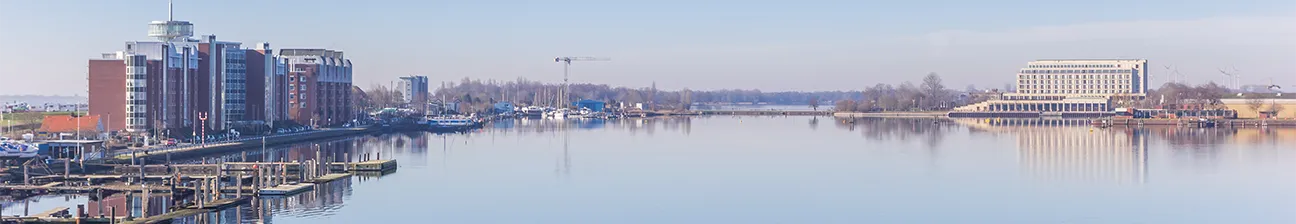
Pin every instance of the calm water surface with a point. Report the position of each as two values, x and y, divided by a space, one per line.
797 170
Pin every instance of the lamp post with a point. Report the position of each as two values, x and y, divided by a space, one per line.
202 116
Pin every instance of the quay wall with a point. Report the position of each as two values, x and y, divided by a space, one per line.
249 144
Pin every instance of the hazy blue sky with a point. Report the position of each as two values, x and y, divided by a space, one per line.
698 44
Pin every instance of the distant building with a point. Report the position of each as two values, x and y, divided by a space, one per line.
319 86
414 89
1072 86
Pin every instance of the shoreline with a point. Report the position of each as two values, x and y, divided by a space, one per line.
930 114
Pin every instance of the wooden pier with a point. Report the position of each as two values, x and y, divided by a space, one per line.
212 206
330 177
287 189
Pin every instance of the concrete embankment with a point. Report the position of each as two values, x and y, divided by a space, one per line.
1196 122
936 114
226 147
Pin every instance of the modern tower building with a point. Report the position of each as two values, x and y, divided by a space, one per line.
171 82
319 86
146 86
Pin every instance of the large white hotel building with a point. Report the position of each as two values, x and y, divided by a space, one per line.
1076 85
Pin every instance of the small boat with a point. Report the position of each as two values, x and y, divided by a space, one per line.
452 124
10 148
532 111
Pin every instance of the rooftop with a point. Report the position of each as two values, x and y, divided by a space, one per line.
68 123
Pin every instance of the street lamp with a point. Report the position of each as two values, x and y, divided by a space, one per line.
202 116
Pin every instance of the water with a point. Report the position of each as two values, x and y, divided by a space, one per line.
724 169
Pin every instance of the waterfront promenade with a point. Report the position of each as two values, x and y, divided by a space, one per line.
121 156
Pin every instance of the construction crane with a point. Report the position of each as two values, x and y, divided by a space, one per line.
562 95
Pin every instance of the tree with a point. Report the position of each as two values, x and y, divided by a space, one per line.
814 103
1254 102
933 90
383 97
1274 108
686 99
1210 93
845 105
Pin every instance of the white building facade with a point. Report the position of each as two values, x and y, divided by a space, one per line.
1072 86
414 89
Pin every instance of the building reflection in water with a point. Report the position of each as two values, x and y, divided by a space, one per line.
1072 150
325 200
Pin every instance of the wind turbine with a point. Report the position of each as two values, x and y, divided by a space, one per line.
1237 78
1174 73
1226 82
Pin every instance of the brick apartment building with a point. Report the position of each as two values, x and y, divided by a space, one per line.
168 83
319 86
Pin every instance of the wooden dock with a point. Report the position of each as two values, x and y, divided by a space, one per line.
211 169
287 189
330 177
212 206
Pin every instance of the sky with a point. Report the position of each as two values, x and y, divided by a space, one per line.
698 44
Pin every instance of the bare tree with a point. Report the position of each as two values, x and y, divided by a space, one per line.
933 91
845 105
1254 102
814 103
1275 108
383 97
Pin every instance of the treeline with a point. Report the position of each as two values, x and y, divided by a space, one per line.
527 92
931 94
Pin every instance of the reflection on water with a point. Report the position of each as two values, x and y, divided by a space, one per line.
788 169
324 201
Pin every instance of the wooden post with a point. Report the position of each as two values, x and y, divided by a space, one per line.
81 159
26 175
145 200
199 191
220 173
67 168
128 202
238 179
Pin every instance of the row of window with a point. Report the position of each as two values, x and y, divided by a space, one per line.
1124 77
1075 91
1073 86
1048 81
1075 66
1090 71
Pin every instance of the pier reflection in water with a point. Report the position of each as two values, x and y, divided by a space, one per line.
788 169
